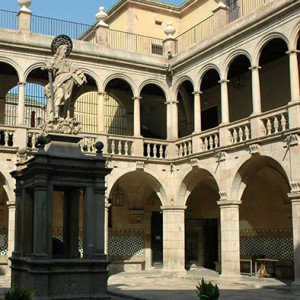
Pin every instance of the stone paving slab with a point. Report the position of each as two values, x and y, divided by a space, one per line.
153 286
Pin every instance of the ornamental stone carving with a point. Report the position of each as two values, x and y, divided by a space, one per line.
169 31
24 5
101 16
255 149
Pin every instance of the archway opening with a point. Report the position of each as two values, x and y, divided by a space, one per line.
274 75
239 88
135 235
185 109
153 112
265 217
210 100
202 222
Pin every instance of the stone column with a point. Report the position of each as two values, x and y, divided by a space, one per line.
136 116
18 209
102 28
295 200
294 75
256 99
230 238
40 219
173 240
11 227
21 103
172 120
224 101
107 207
101 117
24 15
2 111
220 15
197 111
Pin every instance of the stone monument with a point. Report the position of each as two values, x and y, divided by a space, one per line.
55 269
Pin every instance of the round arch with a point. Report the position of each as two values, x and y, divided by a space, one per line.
204 70
14 65
180 81
155 82
126 78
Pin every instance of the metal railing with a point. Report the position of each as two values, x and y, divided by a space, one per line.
8 19
50 26
195 34
135 42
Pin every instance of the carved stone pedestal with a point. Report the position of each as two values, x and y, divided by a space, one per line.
53 269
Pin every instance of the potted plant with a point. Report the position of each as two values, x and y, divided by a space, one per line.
18 293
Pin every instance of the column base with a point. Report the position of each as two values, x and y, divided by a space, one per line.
296 282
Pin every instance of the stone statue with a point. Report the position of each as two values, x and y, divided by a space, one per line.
58 92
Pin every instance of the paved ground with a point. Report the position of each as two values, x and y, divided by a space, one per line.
151 285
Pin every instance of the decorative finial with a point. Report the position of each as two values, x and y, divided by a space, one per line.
24 5
99 146
169 31
101 16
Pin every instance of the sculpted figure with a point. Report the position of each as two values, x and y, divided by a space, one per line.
65 76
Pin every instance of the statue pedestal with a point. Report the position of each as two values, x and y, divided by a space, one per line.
56 271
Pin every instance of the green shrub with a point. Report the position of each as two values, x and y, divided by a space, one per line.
18 293
207 291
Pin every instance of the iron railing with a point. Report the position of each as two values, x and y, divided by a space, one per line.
8 19
196 34
50 26
135 42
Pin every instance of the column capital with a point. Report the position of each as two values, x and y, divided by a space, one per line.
136 98
292 51
173 208
223 81
252 68
196 93
101 93
22 83
224 203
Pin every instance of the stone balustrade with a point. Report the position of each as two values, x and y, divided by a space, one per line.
120 145
155 149
240 132
209 140
184 147
7 136
276 121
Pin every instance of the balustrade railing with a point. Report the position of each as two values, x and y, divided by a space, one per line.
240 132
87 144
247 6
120 145
155 149
184 147
209 140
31 140
196 34
135 42
7 136
8 19
275 122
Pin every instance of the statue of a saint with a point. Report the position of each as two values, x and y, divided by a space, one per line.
59 92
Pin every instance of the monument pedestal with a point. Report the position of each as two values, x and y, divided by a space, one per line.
54 270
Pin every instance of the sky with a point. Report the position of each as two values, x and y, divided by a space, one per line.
80 11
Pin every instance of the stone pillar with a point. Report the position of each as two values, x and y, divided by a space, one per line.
295 200
172 120
173 240
40 213
107 208
24 15
136 116
256 98
101 117
220 15
21 103
224 101
197 111
17 221
294 75
11 227
230 238
71 222
102 28
2 111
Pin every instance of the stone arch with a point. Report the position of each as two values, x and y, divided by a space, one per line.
264 41
294 37
126 78
7 183
14 65
232 56
158 83
31 68
248 168
180 81
191 180
204 70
